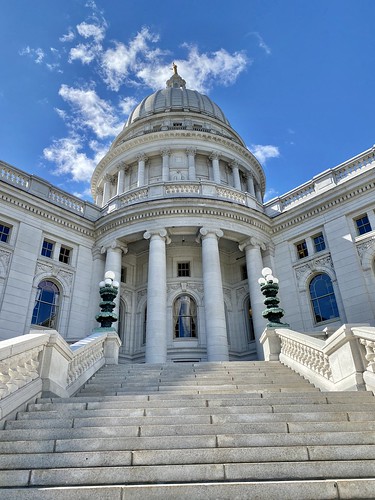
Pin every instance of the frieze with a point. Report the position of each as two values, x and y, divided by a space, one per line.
364 246
63 275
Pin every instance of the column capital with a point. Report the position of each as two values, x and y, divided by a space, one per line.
96 252
121 166
115 245
99 191
142 157
253 243
158 233
108 178
234 164
215 155
191 151
207 231
165 151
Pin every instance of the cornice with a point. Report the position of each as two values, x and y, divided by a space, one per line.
292 219
152 137
147 213
46 214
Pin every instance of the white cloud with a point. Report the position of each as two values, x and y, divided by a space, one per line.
261 43
264 152
68 158
127 104
91 112
118 62
84 52
87 30
84 195
36 54
68 37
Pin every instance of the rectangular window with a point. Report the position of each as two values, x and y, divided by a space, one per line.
47 249
302 249
64 255
123 274
183 269
363 225
319 242
4 233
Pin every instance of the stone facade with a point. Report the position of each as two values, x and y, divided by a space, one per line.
179 218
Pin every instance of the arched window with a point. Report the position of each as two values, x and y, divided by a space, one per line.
185 317
249 320
323 298
46 305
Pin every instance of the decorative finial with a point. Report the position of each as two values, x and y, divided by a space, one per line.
176 81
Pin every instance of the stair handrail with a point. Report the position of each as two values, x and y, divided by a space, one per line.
345 361
42 362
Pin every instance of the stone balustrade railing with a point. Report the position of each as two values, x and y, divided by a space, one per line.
45 190
42 362
180 189
322 182
344 361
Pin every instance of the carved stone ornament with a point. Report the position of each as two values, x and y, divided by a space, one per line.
141 294
5 256
366 252
314 265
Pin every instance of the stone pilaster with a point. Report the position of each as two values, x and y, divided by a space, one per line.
236 175
216 330
142 158
99 197
121 179
107 189
165 153
254 264
191 152
214 157
156 327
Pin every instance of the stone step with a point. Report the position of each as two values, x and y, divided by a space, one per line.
186 456
188 473
272 490
123 443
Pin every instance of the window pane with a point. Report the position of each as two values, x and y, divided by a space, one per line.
302 249
46 305
47 248
319 243
323 298
4 233
363 225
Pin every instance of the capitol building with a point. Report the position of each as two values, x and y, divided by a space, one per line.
179 217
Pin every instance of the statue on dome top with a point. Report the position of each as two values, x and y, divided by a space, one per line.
175 81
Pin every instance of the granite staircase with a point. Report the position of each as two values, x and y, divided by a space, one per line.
208 431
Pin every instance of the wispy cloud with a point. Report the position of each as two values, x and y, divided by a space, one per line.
261 43
264 152
68 37
270 193
90 111
36 54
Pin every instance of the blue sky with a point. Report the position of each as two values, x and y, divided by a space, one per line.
295 78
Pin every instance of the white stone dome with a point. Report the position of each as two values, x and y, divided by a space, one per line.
176 99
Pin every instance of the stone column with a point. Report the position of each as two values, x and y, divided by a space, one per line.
191 152
166 153
250 184
113 263
215 155
99 197
120 180
142 158
258 193
107 188
97 275
236 176
254 265
216 330
156 327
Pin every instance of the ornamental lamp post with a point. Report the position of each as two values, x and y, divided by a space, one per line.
108 290
269 286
